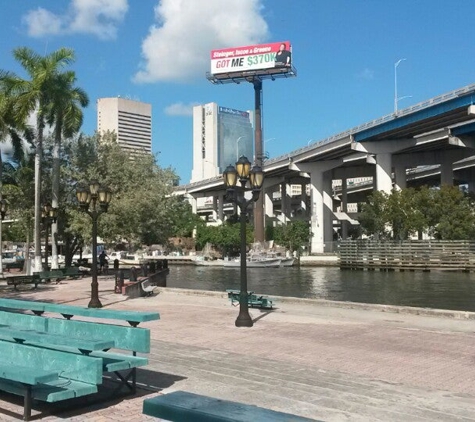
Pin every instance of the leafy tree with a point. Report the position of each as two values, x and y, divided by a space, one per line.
36 94
456 214
143 209
66 115
444 213
373 215
9 130
294 235
226 237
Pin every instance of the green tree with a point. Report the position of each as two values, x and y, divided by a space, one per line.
36 95
226 237
373 215
65 114
456 219
293 236
9 130
445 213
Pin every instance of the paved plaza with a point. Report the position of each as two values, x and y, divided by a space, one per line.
322 360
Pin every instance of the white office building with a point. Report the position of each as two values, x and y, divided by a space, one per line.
220 136
130 120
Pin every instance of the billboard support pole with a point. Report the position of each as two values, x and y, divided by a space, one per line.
259 204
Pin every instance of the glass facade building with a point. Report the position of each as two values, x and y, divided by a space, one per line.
220 136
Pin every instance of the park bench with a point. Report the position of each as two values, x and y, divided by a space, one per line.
76 349
71 272
252 299
183 406
18 264
48 276
18 280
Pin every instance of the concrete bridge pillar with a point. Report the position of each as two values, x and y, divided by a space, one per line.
344 208
400 177
194 205
268 204
446 173
321 215
215 208
285 201
383 172
303 198
221 208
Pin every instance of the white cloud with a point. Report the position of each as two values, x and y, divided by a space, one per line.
180 109
96 17
42 22
178 47
366 73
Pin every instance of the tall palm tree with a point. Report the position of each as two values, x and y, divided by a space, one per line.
36 94
8 131
66 115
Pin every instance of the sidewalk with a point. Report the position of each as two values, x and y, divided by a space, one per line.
324 362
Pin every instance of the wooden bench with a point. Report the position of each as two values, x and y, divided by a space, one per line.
252 299
71 273
76 349
48 276
18 264
183 406
18 280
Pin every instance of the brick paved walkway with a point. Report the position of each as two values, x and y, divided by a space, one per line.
329 363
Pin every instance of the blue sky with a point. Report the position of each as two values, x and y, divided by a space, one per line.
344 51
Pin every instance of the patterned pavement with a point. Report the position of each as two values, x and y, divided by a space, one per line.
331 363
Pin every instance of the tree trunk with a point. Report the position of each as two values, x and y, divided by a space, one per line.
55 201
38 158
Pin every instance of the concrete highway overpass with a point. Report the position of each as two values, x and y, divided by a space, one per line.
432 139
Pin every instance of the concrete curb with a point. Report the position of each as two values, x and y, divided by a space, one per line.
439 313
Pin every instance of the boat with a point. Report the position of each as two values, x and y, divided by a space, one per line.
251 262
254 263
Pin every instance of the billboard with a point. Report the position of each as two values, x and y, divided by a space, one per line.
252 58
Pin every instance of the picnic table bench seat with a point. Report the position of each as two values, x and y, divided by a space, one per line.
48 276
252 299
18 264
132 317
84 345
71 272
183 406
55 375
19 280
78 350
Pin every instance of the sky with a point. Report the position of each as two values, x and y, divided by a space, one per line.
158 51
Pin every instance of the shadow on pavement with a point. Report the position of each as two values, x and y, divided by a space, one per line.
147 382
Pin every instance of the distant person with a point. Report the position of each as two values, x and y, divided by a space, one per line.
103 261
283 56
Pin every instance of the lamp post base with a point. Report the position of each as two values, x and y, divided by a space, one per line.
244 320
94 303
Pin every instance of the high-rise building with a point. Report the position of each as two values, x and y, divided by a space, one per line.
220 136
130 120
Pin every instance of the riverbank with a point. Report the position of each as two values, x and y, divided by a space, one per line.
324 360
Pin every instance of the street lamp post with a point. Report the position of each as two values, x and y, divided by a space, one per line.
94 201
49 216
236 194
396 98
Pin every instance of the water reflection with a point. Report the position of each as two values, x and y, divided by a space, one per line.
442 290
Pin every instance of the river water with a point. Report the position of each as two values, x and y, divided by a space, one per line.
435 289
